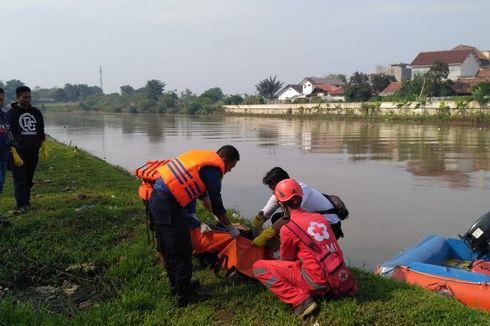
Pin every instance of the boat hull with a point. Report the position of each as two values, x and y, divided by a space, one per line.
426 264
472 294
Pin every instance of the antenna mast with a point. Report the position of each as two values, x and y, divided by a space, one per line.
101 81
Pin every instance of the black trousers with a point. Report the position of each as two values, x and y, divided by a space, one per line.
337 230
173 241
24 174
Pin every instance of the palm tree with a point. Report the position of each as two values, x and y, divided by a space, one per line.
154 88
268 87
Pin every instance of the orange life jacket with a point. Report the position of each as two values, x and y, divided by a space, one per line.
181 175
148 175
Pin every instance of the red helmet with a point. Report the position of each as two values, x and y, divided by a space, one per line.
287 189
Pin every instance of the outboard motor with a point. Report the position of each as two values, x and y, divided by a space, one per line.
478 236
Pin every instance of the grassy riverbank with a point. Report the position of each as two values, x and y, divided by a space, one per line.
83 257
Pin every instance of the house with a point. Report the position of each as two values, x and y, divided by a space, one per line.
462 63
391 89
327 88
289 92
329 92
308 84
468 66
483 56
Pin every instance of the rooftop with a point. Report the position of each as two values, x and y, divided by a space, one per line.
448 57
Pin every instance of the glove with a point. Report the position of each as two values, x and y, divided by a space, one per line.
257 222
18 161
204 228
233 230
261 239
44 150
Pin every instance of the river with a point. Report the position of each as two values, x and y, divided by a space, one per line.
400 181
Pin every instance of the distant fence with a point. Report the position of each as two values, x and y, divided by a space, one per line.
436 107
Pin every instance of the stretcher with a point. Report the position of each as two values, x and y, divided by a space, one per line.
240 255
211 242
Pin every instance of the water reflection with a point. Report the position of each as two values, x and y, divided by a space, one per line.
449 153
401 181
127 125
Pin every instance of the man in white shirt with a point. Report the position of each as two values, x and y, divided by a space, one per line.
313 201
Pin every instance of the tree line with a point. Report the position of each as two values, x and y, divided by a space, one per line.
69 93
151 98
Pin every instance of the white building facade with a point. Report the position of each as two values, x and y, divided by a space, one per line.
466 67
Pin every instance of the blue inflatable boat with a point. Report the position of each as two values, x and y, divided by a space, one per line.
453 267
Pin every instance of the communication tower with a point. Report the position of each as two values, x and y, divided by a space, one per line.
101 81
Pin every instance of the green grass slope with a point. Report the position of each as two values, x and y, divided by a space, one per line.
82 257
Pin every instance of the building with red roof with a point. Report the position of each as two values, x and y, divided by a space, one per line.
461 63
391 89
482 57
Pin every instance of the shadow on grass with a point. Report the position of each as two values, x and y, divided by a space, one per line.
376 288
371 287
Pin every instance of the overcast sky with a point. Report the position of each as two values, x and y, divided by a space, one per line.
232 44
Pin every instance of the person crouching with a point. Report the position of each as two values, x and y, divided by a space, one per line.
301 274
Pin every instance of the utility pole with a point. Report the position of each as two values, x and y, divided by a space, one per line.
101 81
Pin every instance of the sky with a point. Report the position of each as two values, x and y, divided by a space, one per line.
231 44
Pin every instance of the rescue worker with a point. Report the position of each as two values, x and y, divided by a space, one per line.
313 201
193 174
297 276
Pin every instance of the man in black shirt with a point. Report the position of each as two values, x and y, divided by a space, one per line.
27 127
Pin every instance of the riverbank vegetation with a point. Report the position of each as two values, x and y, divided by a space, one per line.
82 257
359 88
151 98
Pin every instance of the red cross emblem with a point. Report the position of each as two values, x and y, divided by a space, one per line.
319 231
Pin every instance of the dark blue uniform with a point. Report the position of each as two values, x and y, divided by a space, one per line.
4 147
172 229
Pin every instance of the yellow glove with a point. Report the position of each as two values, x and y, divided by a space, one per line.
18 162
257 222
44 150
262 238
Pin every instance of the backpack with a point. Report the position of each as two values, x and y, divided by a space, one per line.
339 277
148 174
339 207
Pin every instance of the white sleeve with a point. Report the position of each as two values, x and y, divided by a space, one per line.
271 206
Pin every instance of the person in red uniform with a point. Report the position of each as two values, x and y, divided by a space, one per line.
297 276
191 175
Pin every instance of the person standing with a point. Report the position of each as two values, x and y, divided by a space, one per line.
4 147
189 176
27 126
